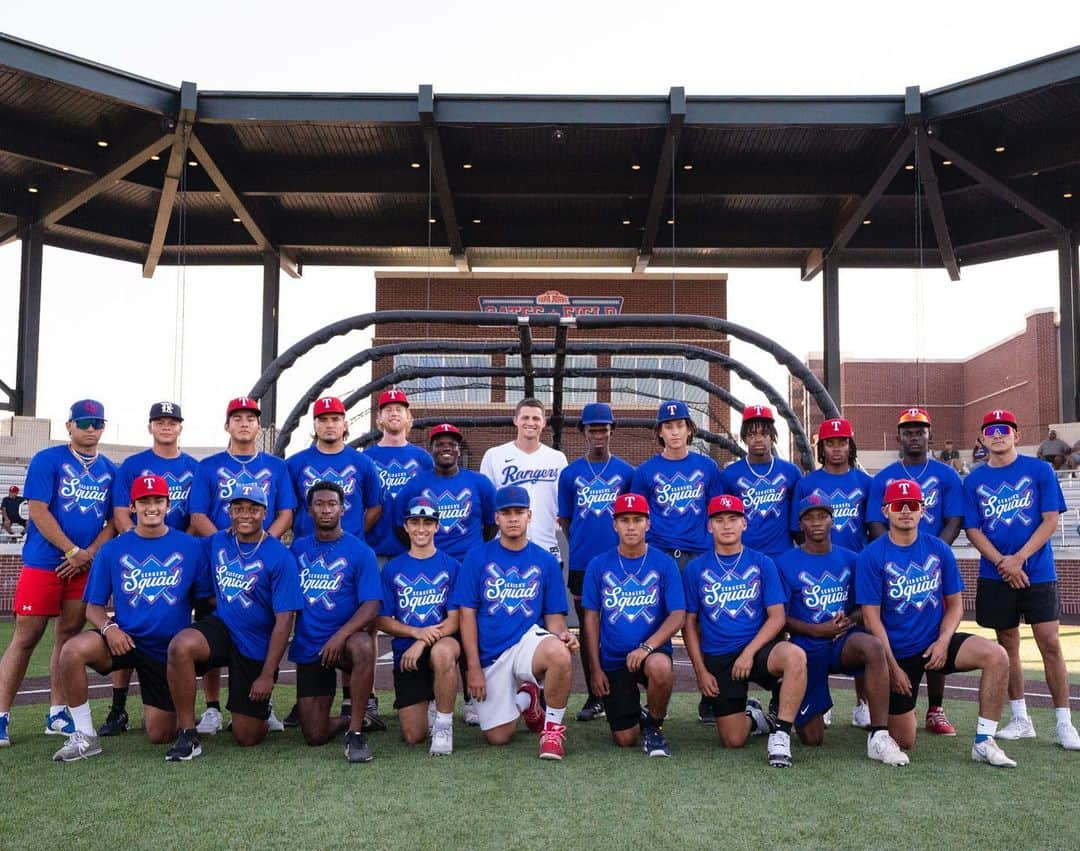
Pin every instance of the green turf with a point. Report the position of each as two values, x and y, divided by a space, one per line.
284 794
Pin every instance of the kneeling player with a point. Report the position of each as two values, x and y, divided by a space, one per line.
823 621
504 590
339 581
414 611
153 574
634 603
734 613
909 588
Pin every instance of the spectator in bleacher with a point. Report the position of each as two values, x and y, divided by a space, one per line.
979 454
10 511
951 455
1054 450
1073 461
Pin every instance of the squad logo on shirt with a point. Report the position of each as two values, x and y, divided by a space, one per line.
346 479
1008 503
179 487
596 495
421 598
455 509
826 595
846 506
227 478
319 580
765 496
731 594
236 579
631 598
915 586
514 475
82 491
152 579
679 494
513 590
395 475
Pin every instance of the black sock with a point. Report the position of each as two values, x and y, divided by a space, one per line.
119 697
650 720
346 694
213 704
936 699
783 726
874 729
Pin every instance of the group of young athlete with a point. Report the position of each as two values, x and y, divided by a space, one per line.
769 576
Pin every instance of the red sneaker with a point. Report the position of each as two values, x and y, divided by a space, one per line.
937 722
534 715
551 741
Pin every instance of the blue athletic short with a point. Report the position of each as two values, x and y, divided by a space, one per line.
821 660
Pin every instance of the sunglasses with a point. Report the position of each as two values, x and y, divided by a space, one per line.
996 430
900 504
89 422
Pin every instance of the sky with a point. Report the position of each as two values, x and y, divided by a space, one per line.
110 334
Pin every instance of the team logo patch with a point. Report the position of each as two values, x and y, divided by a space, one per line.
228 478
236 579
421 599
151 579
1007 504
631 598
514 590
825 595
596 496
514 475
732 594
765 497
680 494
319 581
455 509
847 509
82 491
346 479
395 475
179 488
915 586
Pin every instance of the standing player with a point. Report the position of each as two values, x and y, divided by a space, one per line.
587 491
339 581
943 515
823 621
152 575
177 469
634 604
734 614
1013 503
505 590
69 489
909 588
257 591
416 612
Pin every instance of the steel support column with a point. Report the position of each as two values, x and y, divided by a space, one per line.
1069 325
830 314
270 302
26 369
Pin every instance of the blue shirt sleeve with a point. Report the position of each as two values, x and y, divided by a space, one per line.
367 577
453 568
487 501
716 481
201 495
952 495
796 497
951 581
590 586
674 593
121 492
867 580
566 493
388 608
203 586
772 589
466 593
41 478
874 499
639 483
1050 496
99 582
285 498
554 589
286 593
410 489
690 582
972 514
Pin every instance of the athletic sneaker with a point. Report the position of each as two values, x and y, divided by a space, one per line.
760 723
1017 728
357 748
534 714
293 718
860 715
60 724
373 722
988 751
654 742
705 712
210 723
115 723
469 714
273 723
442 741
551 740
592 710
883 747
1067 737
185 748
780 749
431 713
78 746
5 739
937 722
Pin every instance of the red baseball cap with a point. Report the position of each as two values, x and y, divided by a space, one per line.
726 504
389 396
445 428
914 416
999 415
631 503
148 486
900 490
327 405
757 412
13 489
836 427
242 403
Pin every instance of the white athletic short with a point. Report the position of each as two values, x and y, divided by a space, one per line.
503 677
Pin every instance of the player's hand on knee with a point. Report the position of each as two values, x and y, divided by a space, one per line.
570 640
740 668
261 688
707 685
332 650
600 685
935 655
410 659
476 684
898 680
119 642
428 635
635 659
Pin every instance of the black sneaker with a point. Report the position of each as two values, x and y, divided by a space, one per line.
357 748
654 742
592 710
185 748
293 718
115 724
373 722
705 712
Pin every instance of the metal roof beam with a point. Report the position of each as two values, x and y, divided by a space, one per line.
928 178
185 119
426 109
676 119
324 108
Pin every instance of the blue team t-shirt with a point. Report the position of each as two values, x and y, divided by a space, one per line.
943 493
818 586
216 475
910 585
587 494
336 578
251 588
511 591
153 583
678 494
466 502
354 471
396 466
766 491
415 592
1006 504
848 493
81 501
178 472
730 595
633 597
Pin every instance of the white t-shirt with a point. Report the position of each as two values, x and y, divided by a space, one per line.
537 472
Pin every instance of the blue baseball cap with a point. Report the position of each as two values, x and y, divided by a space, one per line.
672 409
421 506
87 408
246 487
596 413
511 496
814 500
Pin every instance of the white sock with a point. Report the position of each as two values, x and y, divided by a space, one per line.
554 716
522 701
444 719
1018 708
56 708
1064 715
985 727
81 716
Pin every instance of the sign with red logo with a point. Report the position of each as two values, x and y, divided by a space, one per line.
552 301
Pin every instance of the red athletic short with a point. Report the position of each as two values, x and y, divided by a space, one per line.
40 592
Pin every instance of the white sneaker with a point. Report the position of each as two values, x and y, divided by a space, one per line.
779 749
1067 736
1017 728
78 746
469 714
827 718
210 723
442 741
860 715
273 723
883 747
431 713
988 751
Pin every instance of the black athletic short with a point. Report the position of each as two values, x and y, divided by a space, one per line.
999 606
314 680
914 666
575 581
412 687
153 682
622 704
732 698
682 557
242 671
